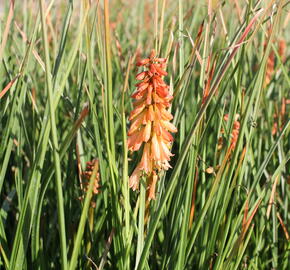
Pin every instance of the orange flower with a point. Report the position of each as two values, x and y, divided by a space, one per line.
235 131
280 117
234 135
150 123
86 176
272 61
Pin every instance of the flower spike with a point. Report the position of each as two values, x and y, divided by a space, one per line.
150 123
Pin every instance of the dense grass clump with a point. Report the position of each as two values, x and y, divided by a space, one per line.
80 189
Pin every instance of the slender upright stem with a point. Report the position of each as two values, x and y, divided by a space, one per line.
60 202
109 90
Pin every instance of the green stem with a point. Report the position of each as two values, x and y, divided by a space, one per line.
83 220
140 242
60 202
109 79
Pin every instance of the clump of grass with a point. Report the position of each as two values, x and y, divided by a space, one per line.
67 74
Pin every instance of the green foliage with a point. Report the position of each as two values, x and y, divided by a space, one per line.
67 72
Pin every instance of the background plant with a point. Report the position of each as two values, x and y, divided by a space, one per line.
67 72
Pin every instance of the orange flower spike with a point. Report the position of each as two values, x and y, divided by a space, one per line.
235 131
150 123
85 181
